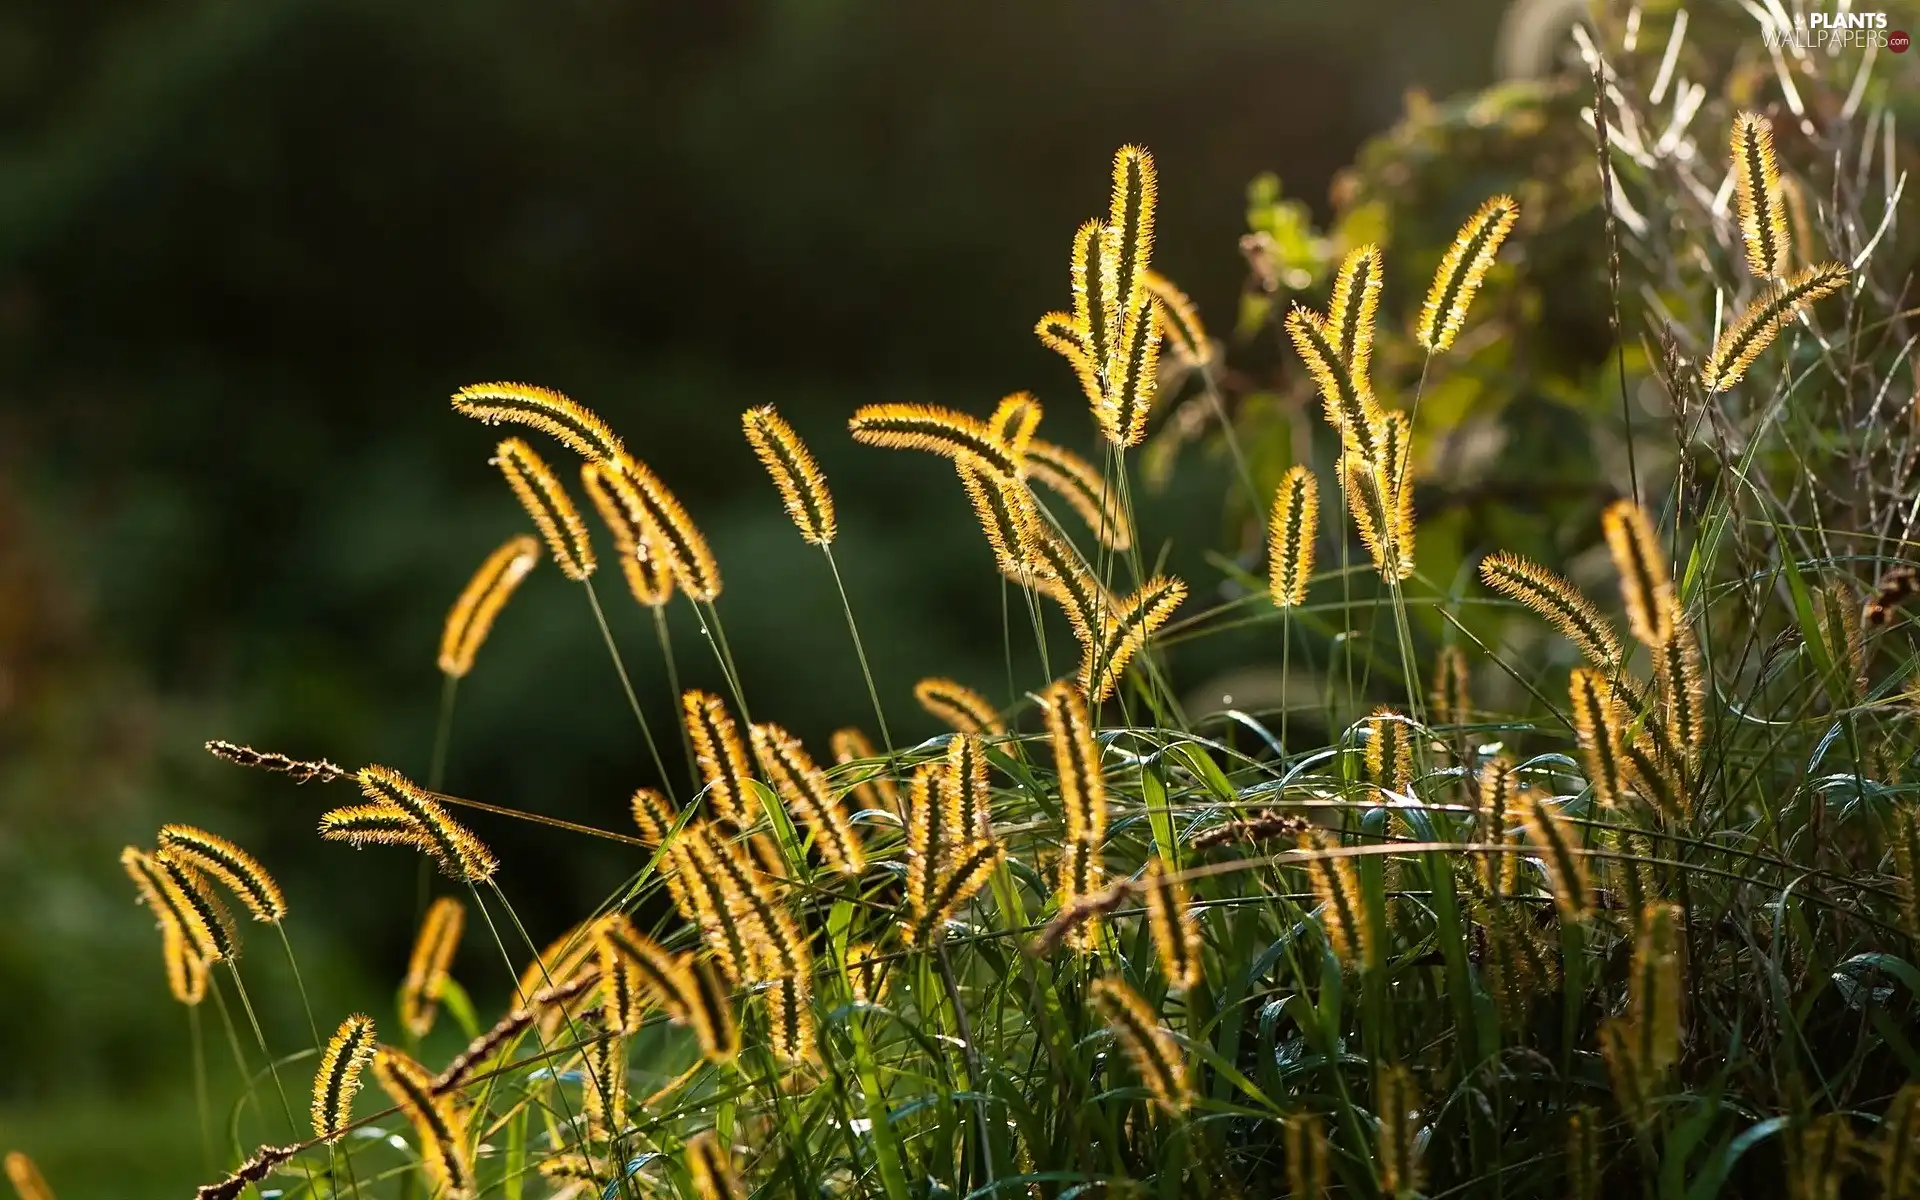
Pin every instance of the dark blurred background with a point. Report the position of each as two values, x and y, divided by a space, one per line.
247 251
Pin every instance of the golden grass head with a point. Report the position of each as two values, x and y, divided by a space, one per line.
622 510
337 1081
1397 1151
543 409
1186 337
472 616
1348 399
1130 215
1388 751
438 1126
1078 762
1125 632
1600 724
1013 421
710 1163
947 885
708 1008
26 1178
1350 313
808 794
1654 987
868 973
790 1025
1763 210
1462 270
667 529
1555 598
943 431
1558 843
401 812
965 795
1645 585
1750 333
959 706
1084 488
603 1091
433 950
1497 870
803 489
1148 1044
1452 697
1132 379
1380 511
1005 509
1343 906
180 897
552 510
186 973
874 787
653 815
241 873
721 756
1173 925
1290 535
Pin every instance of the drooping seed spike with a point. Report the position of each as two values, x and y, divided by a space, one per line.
1083 487
955 882
1566 869
1060 333
711 1165
542 409
868 973
1750 333
427 967
1148 1044
1763 210
460 854
241 873
874 786
709 1010
200 916
1556 599
1598 721
803 489
1005 510
1462 270
1350 406
654 815
438 1126
1096 309
666 528
472 615
1180 321
942 431
966 710
603 1093
721 757
790 1022
624 512
186 973
1077 763
337 1081
1172 923
1013 421
1290 536
1645 585
965 791
807 793
553 512
267 760
1682 682
1126 632
25 1177
1343 905
1389 751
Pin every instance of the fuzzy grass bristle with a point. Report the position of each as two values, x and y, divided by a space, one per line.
427 966
721 755
965 794
543 409
472 615
648 573
1346 395
1078 762
1750 333
1351 310
1556 599
802 487
1094 498
942 431
1462 270
299 770
1125 632
1343 906
1148 1044
873 786
1186 336
1304 1137
1452 695
337 1080
1132 379
711 1166
553 512
1013 421
809 795
1598 721
1645 586
403 813
1173 924
1397 1145
186 973
1290 536
1763 210
667 528
958 705
438 1125
1558 841
709 1010
239 872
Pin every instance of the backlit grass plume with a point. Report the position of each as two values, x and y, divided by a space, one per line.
236 870
1148 1044
1397 1148
1462 270
542 409
1125 632
433 950
958 706
1290 534
711 1165
1557 839
439 1128
1345 393
873 785
1186 337
1013 421
803 489
25 1178
186 973
1452 697
180 897
622 510
1350 312
1641 560
552 510
1763 211
804 788
400 812
472 616
1077 762
1598 721
942 431
669 531
1343 906
1759 323
337 1081
721 756
1094 498
1172 923
1555 598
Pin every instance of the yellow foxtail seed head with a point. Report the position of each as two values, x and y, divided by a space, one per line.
438 1125
1350 406
1497 870
1559 850
1130 214
1077 763
868 973
1343 905
1132 379
874 787
1148 1044
1760 322
459 853
1180 321
808 795
711 1165
552 510
241 873
721 757
668 529
1369 495
1600 724
1389 751
186 973
1004 507
1763 211
1125 633
1060 333
1171 921
1290 534
790 1022
1452 687
1556 599
337 1081
204 920
1085 489
1684 689
1305 1139
966 796
958 705
703 997
603 1095
950 885
25 1178
1096 310
1397 1105
1642 563
1013 421
1462 269
1350 313
542 409
942 431
471 618
1653 993
803 489
433 950
654 815
624 512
